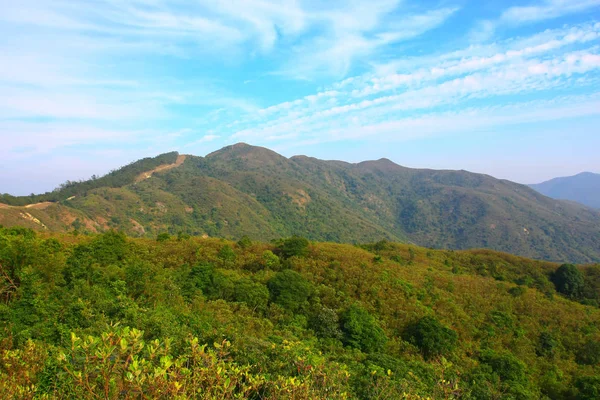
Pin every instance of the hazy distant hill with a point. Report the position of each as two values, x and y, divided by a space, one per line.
245 190
583 188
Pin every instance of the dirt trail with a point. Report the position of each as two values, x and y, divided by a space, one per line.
148 174
36 206
40 206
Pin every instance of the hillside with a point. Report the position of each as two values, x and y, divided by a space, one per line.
583 188
245 190
111 317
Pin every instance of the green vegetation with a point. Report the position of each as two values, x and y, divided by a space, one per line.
361 331
569 281
251 191
431 337
112 317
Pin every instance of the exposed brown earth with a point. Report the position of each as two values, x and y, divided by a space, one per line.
161 168
36 206
40 206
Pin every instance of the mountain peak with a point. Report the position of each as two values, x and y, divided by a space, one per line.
382 165
247 155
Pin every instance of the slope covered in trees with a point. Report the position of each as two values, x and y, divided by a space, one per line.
245 190
583 188
106 316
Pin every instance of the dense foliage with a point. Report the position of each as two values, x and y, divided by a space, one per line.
107 316
569 281
250 191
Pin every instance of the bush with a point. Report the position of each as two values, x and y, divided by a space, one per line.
244 242
226 254
589 354
588 388
546 345
431 337
255 295
163 237
294 247
569 281
109 248
506 366
270 260
290 290
325 323
362 331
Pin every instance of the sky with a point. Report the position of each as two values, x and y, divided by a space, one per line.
507 88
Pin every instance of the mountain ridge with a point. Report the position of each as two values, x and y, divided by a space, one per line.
583 188
248 190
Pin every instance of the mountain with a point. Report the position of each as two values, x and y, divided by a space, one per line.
583 188
246 190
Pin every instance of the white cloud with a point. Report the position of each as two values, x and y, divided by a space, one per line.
519 15
356 33
548 9
565 59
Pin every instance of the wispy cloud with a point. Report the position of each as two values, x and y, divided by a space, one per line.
82 77
529 66
357 33
520 15
547 9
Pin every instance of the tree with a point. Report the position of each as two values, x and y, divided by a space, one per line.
431 337
255 295
588 388
361 330
227 256
244 242
547 345
569 281
325 323
163 237
290 290
294 246
506 366
270 260
589 354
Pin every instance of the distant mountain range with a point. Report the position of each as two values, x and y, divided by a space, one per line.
583 188
246 190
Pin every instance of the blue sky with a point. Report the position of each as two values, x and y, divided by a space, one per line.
509 88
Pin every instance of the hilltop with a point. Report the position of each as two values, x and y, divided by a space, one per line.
583 188
246 190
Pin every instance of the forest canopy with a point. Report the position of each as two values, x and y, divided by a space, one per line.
108 316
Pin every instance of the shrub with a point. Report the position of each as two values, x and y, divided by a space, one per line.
569 281
546 345
110 247
254 294
226 254
270 259
325 323
361 330
588 388
290 290
295 246
244 242
589 354
163 237
506 366
431 337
